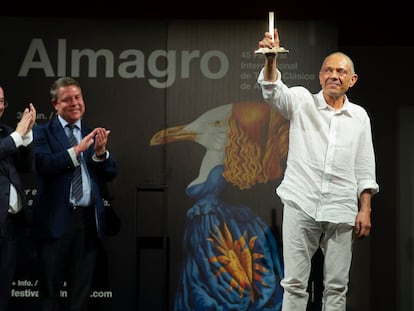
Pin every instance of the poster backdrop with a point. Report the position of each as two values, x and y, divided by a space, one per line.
170 92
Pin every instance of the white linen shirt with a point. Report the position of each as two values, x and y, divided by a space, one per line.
331 156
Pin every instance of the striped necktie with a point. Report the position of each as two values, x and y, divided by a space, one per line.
77 191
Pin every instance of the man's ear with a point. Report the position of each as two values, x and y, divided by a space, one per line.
54 103
354 79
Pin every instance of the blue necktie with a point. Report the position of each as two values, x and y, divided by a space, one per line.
77 191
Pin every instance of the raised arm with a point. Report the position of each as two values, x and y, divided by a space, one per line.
270 72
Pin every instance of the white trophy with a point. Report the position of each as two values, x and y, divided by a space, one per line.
275 50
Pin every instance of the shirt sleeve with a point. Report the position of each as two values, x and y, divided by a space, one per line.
28 138
22 141
18 140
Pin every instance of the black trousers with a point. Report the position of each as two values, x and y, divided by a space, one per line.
8 257
67 264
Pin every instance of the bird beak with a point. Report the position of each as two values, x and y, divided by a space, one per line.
172 134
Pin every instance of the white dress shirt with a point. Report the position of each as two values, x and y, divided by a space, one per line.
15 202
331 156
86 185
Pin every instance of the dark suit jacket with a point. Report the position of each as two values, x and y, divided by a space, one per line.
54 169
13 162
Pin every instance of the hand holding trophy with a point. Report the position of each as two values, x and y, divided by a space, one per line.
277 48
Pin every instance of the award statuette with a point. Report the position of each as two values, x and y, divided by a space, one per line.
275 50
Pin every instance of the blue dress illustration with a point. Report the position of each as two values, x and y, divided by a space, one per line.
231 257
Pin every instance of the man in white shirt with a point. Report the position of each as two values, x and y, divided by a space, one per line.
16 157
329 179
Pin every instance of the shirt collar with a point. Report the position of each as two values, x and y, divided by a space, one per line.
346 108
64 122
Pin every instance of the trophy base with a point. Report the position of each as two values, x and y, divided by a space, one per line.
271 51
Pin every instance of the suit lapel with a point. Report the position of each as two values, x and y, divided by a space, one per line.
59 133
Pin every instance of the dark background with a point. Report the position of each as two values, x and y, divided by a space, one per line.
367 31
379 23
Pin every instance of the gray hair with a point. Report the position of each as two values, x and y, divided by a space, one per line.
61 82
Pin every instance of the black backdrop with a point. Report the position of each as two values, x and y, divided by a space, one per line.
376 262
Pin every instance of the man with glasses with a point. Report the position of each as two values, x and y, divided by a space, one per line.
15 158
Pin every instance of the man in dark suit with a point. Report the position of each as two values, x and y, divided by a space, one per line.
16 157
69 223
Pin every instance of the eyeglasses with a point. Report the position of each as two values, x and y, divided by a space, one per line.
4 102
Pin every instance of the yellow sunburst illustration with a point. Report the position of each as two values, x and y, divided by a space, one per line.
238 260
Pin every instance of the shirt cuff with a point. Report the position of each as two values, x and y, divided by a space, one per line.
96 159
73 156
261 80
18 140
28 138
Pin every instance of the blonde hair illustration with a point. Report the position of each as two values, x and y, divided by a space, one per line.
257 145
